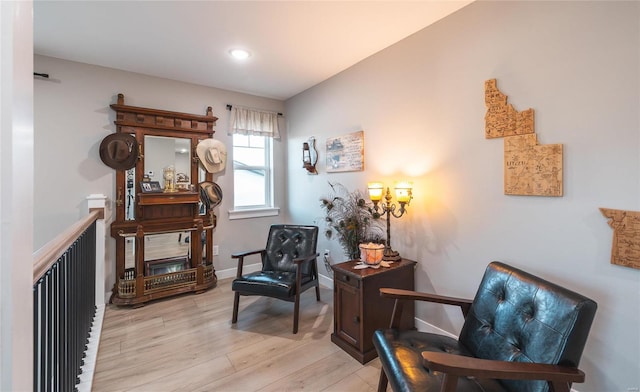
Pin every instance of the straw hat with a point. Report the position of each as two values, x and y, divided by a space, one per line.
212 154
119 151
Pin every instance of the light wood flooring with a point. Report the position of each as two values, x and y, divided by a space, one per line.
187 343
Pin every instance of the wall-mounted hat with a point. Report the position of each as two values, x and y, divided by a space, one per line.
211 194
119 151
212 154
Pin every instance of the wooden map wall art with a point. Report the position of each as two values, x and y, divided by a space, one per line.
502 119
530 169
625 248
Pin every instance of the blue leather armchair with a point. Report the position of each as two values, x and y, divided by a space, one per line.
521 334
288 268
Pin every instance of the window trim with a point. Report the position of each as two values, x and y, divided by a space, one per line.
253 213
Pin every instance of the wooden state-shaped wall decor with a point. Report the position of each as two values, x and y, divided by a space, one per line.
625 248
530 169
501 118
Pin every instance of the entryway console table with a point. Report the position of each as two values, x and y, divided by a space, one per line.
358 308
164 234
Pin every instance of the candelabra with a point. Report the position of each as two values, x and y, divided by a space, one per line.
403 196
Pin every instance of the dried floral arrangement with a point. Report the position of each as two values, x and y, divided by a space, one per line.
349 217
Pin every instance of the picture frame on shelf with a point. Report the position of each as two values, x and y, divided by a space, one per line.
150 187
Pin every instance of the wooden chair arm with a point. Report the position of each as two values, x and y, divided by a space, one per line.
301 260
246 253
241 255
399 294
454 366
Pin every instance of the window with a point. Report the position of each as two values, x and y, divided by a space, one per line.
252 174
253 131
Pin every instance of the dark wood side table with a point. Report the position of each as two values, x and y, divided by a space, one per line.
358 309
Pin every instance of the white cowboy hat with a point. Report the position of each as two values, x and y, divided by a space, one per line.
212 154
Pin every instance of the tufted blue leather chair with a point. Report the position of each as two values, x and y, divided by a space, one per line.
288 268
521 334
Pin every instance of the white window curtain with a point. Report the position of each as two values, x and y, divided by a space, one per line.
246 121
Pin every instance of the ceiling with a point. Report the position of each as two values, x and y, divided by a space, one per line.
294 44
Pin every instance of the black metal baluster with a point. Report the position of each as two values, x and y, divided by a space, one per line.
55 330
43 332
73 282
49 320
63 313
64 321
36 336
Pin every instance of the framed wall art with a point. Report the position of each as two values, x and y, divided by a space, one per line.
345 153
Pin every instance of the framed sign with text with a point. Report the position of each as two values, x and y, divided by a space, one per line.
345 153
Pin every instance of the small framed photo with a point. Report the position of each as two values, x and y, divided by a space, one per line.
150 186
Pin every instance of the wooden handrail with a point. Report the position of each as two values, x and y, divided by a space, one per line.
44 258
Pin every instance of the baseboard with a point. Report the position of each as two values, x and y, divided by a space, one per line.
325 281
91 353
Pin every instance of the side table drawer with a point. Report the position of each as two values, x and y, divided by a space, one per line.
348 280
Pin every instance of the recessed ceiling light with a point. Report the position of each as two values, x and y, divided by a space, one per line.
239 54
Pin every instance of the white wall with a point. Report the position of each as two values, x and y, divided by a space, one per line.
16 196
420 103
72 116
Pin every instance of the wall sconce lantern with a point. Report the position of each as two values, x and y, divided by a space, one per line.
310 155
403 197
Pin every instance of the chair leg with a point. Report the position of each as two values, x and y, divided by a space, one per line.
449 383
296 313
559 386
318 292
236 303
382 383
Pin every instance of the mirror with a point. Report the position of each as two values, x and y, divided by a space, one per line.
161 152
202 176
130 196
163 253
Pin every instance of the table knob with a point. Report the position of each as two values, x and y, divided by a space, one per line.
356 319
